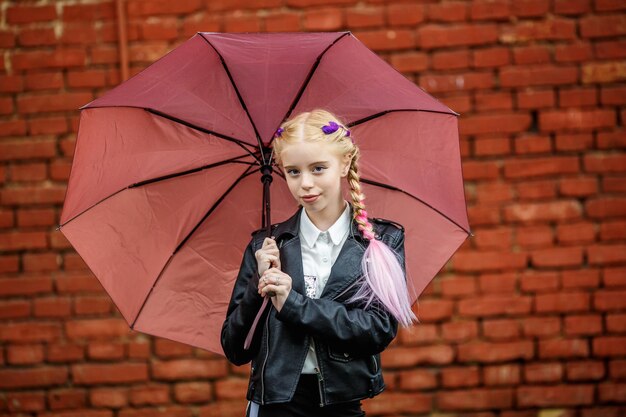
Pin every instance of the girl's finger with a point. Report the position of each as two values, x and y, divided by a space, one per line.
271 287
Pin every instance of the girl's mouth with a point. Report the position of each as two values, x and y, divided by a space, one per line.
310 199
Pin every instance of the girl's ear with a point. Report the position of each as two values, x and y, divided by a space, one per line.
345 166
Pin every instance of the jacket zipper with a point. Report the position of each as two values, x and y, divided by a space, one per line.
320 379
375 364
267 353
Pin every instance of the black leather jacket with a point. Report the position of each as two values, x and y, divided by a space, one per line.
348 340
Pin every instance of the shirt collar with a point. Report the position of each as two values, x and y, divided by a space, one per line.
310 232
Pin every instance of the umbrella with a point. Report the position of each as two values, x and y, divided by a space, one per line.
172 169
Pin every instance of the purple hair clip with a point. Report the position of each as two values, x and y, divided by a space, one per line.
279 131
332 127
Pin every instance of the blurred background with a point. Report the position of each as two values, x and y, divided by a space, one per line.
528 319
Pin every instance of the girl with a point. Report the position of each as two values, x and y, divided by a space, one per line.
335 277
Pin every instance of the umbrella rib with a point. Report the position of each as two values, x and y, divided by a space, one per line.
243 104
213 207
239 142
308 78
390 187
161 178
382 113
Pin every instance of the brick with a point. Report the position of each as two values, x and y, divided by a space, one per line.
386 40
15 309
560 395
541 326
562 302
616 323
495 352
398 402
603 72
92 305
495 123
417 379
437 36
488 261
490 10
585 371
457 377
60 58
365 17
573 52
23 285
494 305
65 353
543 372
152 394
563 348
538 75
30 332
27 149
475 399
405 14
188 368
92 374
609 300
576 120
556 29
105 350
606 254
418 335
52 307
612 392
434 310
62 399
326 18
25 354
557 257
578 187
602 26
609 346
403 357
583 325
108 397
200 392
459 331
507 374
30 14
24 402
43 376
501 329
96 328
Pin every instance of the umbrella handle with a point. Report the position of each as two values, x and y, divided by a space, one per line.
246 343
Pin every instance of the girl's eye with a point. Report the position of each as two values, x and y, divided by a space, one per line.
295 171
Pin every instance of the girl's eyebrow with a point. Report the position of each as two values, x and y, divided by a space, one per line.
312 163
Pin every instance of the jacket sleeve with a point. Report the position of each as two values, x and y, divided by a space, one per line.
362 331
245 302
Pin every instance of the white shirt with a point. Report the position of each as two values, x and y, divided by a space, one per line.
319 252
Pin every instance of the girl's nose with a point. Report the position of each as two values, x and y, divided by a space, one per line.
307 180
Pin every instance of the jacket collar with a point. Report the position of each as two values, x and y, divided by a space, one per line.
336 232
291 226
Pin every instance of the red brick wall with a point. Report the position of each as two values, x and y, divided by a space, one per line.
529 317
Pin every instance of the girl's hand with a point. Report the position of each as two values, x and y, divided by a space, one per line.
268 256
277 281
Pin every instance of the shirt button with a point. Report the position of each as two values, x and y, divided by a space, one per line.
325 259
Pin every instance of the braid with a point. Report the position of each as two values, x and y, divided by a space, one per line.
360 215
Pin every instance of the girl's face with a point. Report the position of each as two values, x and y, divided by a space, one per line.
314 169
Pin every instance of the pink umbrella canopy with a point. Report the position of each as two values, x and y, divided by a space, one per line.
165 187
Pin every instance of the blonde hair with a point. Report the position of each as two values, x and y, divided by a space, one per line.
384 279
